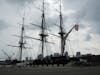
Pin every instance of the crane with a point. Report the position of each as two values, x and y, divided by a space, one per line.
62 33
9 57
67 34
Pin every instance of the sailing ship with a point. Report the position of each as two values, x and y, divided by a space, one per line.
62 58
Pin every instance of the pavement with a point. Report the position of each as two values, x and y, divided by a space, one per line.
50 70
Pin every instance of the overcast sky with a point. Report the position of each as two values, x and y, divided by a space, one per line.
82 12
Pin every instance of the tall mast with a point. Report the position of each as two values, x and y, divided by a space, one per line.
61 33
21 42
43 34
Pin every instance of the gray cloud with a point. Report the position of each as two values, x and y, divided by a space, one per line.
88 37
86 11
20 2
93 16
3 25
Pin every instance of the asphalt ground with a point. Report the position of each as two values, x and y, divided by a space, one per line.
50 70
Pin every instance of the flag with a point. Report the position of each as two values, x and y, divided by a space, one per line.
76 27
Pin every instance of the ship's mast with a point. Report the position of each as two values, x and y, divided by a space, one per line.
61 33
43 34
21 42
